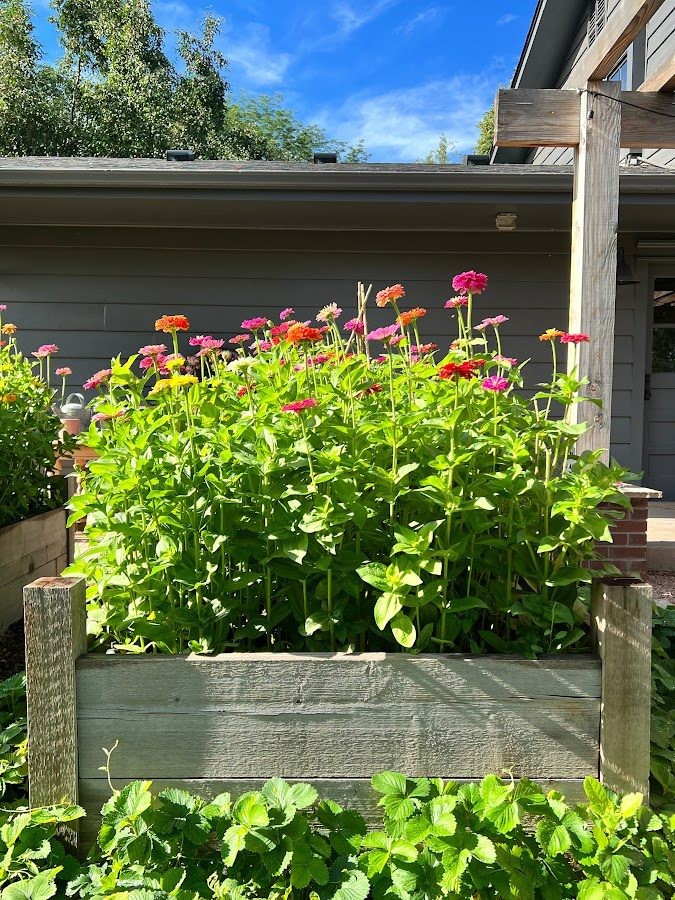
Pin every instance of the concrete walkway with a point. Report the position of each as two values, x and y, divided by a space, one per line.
661 536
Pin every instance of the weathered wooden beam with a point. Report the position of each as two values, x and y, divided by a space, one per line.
621 623
55 626
551 118
624 24
595 222
663 79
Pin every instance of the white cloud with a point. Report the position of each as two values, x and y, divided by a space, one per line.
349 17
173 13
405 124
507 19
251 53
425 17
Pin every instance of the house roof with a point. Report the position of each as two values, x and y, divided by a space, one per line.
267 195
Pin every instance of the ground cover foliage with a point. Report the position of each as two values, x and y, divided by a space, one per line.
340 488
30 439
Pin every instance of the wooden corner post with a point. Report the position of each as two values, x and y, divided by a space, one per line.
595 223
621 622
55 625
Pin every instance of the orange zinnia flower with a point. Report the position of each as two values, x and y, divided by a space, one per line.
551 334
298 333
172 323
412 315
9 328
8 398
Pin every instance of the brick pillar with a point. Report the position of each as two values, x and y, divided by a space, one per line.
628 552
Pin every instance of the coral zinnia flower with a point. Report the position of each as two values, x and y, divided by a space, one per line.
299 333
470 283
9 328
395 292
97 379
299 405
169 324
551 334
63 371
153 350
412 315
495 383
574 339
240 338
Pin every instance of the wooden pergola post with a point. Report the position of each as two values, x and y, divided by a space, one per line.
595 223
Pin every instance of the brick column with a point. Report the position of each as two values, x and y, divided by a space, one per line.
628 551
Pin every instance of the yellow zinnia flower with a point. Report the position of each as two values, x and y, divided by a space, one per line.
551 334
160 386
9 328
181 380
175 363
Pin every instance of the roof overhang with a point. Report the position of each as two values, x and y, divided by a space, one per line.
289 196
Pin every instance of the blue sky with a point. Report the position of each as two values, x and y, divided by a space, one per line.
394 73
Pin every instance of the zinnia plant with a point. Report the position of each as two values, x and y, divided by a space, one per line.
310 494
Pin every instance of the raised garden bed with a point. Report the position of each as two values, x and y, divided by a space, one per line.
29 549
228 722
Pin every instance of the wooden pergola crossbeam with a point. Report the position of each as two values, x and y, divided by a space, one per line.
552 118
663 79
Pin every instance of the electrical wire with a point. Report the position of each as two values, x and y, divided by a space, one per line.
654 112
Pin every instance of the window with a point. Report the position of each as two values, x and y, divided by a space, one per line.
597 18
663 348
621 74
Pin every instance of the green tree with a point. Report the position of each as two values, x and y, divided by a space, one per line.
115 91
486 127
443 154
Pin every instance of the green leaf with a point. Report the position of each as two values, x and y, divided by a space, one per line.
630 805
553 839
374 574
250 810
484 850
596 793
389 783
388 605
403 630
303 795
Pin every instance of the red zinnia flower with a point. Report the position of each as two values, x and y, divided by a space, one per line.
299 405
466 369
574 339
169 324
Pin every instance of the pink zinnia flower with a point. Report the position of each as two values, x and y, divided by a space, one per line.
299 405
354 325
482 325
63 371
286 313
3 307
506 360
396 339
495 383
45 350
97 379
254 324
393 293
422 349
149 361
574 339
470 283
384 334
240 338
454 302
266 345
105 417
153 350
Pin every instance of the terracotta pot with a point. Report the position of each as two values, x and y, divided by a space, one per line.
71 426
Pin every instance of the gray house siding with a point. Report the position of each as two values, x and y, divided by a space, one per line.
660 47
97 292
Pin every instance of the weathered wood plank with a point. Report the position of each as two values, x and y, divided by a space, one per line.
13 569
184 684
31 534
621 617
551 118
595 221
11 594
627 20
552 739
663 79
349 793
55 625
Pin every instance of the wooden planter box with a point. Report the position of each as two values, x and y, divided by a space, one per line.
29 549
211 724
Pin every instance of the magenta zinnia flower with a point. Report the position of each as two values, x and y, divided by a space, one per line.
286 313
254 324
299 405
470 283
574 339
149 361
384 334
495 383
354 325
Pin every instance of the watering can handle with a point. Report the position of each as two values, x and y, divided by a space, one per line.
79 397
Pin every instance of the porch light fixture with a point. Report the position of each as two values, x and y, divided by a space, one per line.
624 273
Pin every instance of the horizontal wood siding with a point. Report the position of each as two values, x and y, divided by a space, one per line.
98 301
661 47
335 719
34 548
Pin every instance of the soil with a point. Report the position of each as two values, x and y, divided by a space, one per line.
663 584
12 658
